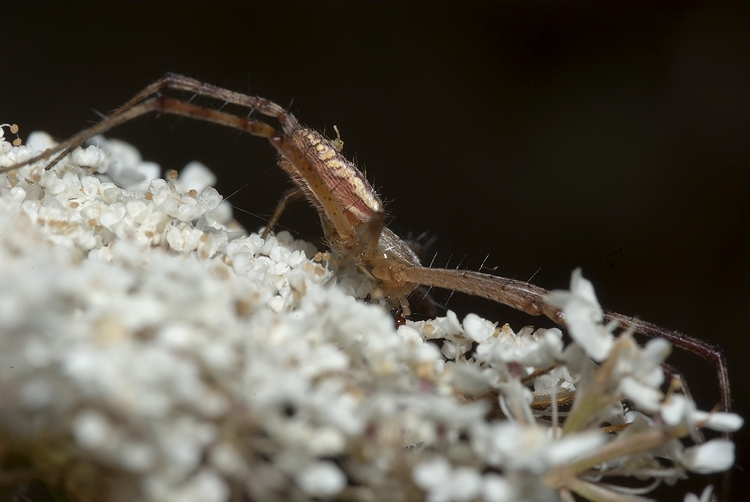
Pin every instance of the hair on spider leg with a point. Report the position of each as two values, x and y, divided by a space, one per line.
424 304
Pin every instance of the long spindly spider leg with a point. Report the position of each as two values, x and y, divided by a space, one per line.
528 298
287 198
299 167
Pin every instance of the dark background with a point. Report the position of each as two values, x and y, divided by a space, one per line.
542 136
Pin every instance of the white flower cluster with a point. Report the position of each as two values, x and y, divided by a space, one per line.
150 350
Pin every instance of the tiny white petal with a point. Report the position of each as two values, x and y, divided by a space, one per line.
585 291
677 410
657 350
465 485
705 496
644 397
583 316
478 329
40 141
91 429
497 489
322 478
595 340
196 176
137 456
205 486
430 473
716 455
719 421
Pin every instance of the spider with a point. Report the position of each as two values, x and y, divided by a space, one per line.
350 210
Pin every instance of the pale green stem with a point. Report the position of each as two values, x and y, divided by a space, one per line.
598 493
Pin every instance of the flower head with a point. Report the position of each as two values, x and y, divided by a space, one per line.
176 357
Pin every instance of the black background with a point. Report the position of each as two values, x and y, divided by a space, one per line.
614 136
